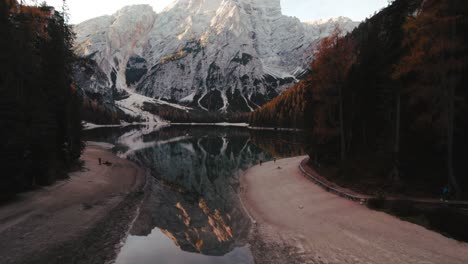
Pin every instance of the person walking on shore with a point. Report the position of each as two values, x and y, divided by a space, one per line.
445 193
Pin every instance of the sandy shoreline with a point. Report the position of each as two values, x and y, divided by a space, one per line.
78 220
298 222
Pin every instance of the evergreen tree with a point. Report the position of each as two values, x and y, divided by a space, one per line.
39 105
433 68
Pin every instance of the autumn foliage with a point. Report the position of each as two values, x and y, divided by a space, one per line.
386 106
286 110
332 63
432 74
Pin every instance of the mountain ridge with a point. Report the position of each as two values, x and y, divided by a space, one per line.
219 56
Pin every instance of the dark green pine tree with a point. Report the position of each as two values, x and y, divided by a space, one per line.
39 104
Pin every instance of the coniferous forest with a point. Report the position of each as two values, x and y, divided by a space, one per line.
40 124
386 105
234 131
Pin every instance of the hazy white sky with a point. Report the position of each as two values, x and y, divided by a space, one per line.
305 10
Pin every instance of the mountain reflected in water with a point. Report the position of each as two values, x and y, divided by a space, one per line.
194 199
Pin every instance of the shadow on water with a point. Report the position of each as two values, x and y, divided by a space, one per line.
193 214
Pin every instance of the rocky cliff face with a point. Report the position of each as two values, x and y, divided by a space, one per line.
195 201
98 95
217 55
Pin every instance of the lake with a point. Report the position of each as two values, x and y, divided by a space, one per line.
193 213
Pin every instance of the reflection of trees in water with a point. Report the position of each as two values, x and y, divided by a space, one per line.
205 216
280 144
194 199
195 224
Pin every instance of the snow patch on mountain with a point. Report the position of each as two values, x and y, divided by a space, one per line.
216 55
134 104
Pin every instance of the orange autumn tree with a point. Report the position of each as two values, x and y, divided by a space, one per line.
431 71
287 110
330 70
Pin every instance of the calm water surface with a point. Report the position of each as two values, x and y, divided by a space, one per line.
193 214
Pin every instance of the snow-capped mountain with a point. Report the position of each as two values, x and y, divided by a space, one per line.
216 55
323 27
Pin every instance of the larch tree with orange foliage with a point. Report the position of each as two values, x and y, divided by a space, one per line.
330 68
433 67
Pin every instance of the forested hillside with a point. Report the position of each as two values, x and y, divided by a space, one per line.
387 105
40 124
287 110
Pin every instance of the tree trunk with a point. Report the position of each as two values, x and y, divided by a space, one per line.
342 132
351 127
450 137
364 134
396 146
450 83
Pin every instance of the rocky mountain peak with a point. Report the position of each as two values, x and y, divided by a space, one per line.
216 55
197 6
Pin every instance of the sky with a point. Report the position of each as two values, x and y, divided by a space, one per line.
305 10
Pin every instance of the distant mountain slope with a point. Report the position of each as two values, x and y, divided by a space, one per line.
378 45
215 55
395 120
